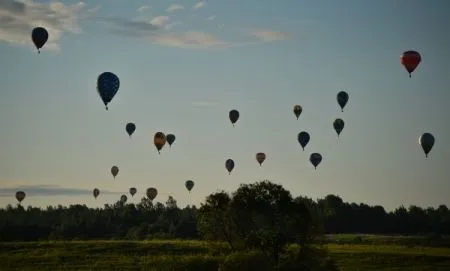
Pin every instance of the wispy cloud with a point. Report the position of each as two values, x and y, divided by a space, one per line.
159 21
204 104
142 9
211 17
267 35
174 7
18 18
50 190
190 39
199 5
132 28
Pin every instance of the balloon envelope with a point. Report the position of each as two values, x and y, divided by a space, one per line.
151 193
159 140
170 139
303 139
315 159
297 110
107 86
427 142
114 171
96 192
338 125
133 191
342 99
234 116
410 60
20 195
130 128
260 157
39 35
229 165
189 185
123 199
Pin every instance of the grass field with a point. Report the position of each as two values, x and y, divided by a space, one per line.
177 254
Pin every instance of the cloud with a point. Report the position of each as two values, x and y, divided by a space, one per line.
266 35
18 18
199 5
174 7
211 17
50 190
159 21
204 104
190 39
132 28
142 9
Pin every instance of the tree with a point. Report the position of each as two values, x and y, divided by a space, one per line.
260 216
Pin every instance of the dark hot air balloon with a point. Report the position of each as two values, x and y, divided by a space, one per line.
315 159
189 185
170 139
130 128
151 193
39 35
159 140
123 199
107 86
427 142
234 116
114 171
303 139
133 191
342 99
410 60
260 157
297 110
229 165
96 192
20 195
338 125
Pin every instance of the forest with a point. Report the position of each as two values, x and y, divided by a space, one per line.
146 220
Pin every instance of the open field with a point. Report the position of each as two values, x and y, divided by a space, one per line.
197 255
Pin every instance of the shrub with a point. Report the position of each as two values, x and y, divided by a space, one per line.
251 260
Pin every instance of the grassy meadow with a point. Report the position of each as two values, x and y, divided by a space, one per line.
351 252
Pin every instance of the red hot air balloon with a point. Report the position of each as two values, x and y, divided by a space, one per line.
410 60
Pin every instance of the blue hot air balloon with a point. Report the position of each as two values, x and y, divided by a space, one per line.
107 86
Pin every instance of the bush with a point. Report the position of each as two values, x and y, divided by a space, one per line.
252 260
307 259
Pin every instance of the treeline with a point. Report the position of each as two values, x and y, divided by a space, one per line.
147 220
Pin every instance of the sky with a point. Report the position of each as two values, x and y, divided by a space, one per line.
183 65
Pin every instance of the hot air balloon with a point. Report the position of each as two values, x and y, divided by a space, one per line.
303 139
107 86
338 125
20 195
123 199
159 139
133 191
189 185
96 192
427 142
114 171
297 110
234 116
170 139
260 157
410 60
151 193
39 35
130 128
342 99
315 159
229 165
